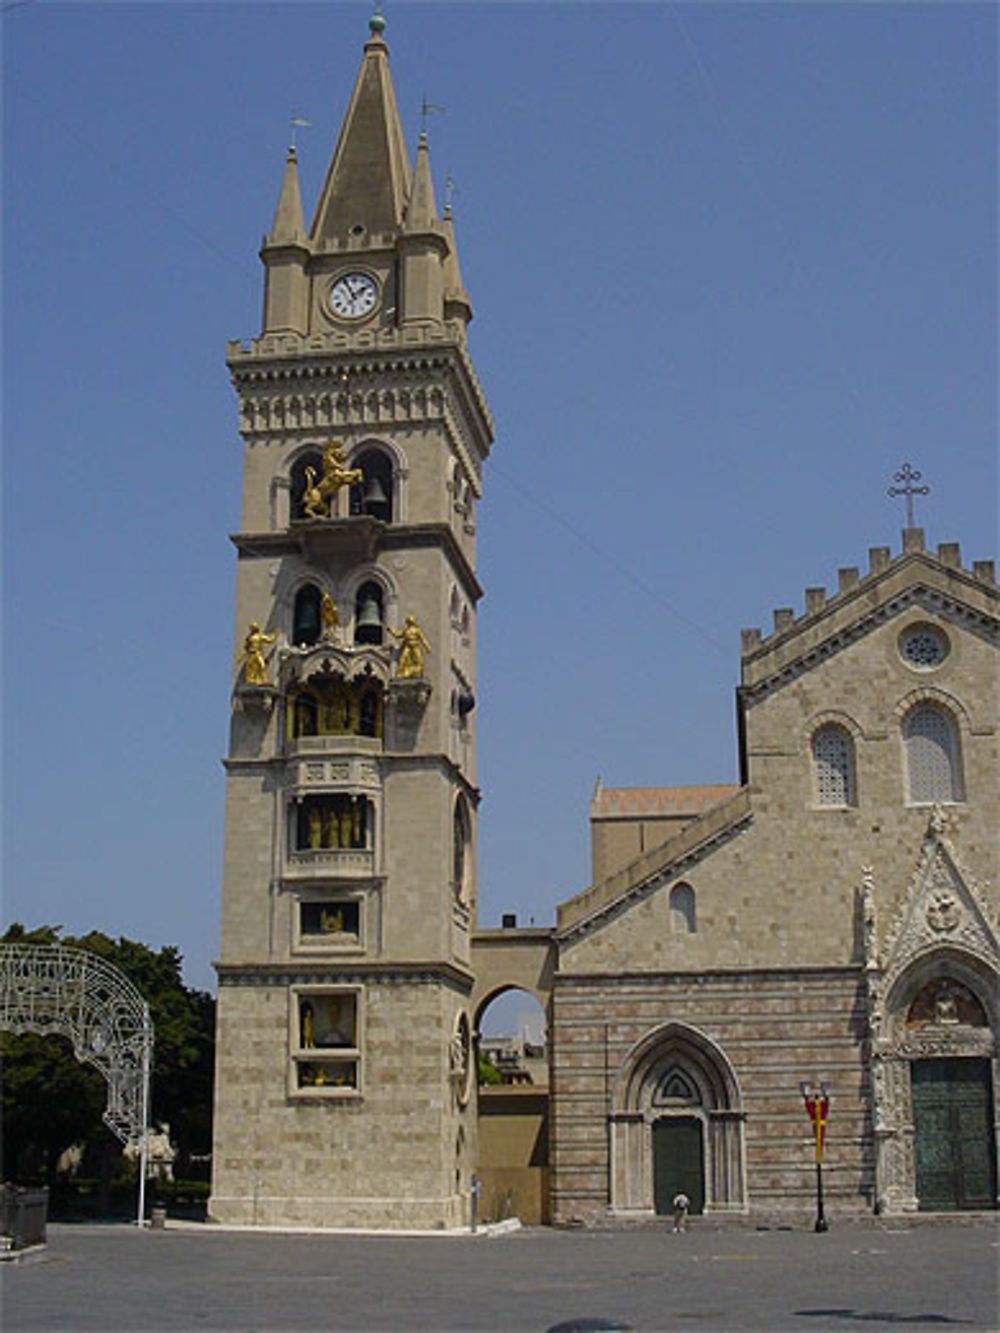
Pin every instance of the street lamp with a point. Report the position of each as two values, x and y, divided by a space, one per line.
818 1109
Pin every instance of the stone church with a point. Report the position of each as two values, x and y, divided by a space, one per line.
830 917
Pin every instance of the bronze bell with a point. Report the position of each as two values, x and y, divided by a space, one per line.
370 616
375 496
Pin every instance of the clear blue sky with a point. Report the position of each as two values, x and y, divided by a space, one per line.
731 265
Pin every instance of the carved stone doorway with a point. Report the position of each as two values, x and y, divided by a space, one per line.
678 1163
953 1124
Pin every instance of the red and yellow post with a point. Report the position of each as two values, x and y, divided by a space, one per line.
818 1110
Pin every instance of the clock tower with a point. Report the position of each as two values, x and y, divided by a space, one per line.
344 1083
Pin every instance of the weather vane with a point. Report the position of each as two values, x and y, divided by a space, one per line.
427 109
298 123
908 475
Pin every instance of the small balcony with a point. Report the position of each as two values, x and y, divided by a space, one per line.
321 863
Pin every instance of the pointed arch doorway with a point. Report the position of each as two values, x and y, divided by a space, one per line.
676 1126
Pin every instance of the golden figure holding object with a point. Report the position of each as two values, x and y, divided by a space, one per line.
411 656
252 657
336 473
329 615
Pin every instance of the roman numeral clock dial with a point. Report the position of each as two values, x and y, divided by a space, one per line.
353 295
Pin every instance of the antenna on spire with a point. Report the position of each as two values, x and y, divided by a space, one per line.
908 475
427 109
298 123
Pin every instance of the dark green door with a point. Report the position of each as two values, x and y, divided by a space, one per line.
953 1117
678 1165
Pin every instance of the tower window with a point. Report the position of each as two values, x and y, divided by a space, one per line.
833 765
332 823
306 619
930 740
334 708
368 614
325 1041
374 493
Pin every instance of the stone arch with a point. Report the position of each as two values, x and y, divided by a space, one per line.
901 1048
372 447
649 1088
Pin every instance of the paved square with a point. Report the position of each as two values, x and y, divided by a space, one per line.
116 1278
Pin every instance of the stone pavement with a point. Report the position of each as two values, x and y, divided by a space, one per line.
111 1278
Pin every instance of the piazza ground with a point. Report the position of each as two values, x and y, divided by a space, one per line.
108 1278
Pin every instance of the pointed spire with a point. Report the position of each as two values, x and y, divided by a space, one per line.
288 225
456 298
421 211
369 177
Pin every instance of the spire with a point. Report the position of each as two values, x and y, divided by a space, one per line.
421 210
288 226
369 177
456 298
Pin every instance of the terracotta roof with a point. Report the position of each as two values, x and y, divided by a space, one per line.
690 800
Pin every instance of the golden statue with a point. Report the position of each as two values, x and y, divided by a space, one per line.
315 828
253 654
331 923
308 1031
329 615
411 655
331 829
336 473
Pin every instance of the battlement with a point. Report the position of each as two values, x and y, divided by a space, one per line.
850 581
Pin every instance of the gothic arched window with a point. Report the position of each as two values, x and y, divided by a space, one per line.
461 839
833 765
306 619
683 916
930 739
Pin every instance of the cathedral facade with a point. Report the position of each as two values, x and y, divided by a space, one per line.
829 918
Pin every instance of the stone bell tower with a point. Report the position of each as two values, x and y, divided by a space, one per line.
344 1085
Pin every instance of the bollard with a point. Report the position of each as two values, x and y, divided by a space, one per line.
158 1219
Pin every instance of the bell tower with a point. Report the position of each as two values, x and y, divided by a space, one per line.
344 1083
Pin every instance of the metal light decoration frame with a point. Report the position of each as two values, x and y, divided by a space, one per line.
818 1109
76 994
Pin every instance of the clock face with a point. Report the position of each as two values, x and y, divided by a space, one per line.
353 295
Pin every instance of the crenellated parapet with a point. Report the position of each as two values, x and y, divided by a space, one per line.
832 620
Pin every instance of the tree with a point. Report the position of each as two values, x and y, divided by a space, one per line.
50 1101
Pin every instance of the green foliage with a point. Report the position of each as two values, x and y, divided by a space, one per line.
51 1102
489 1075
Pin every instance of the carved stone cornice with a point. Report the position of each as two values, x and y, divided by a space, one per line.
313 973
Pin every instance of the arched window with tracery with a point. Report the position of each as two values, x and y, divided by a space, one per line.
461 843
833 765
930 742
306 618
683 914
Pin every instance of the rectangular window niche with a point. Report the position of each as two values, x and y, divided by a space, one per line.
325 1025
333 923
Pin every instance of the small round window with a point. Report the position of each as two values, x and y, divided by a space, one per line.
923 647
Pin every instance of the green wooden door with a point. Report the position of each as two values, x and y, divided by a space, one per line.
678 1163
953 1117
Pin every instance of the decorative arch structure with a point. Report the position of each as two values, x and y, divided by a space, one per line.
673 1075
73 993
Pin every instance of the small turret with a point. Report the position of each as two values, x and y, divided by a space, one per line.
422 248
284 253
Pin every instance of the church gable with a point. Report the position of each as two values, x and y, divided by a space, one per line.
914 580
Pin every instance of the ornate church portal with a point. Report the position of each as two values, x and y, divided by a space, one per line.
677 1126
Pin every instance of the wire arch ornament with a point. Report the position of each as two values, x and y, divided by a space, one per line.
73 993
